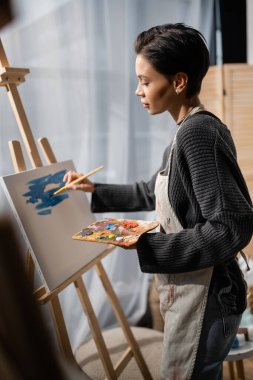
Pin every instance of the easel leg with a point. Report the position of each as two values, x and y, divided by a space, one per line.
231 370
96 332
24 126
47 150
61 331
123 321
17 156
240 369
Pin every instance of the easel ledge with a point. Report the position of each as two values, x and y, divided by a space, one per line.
10 78
9 75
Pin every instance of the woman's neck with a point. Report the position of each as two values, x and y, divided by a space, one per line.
184 109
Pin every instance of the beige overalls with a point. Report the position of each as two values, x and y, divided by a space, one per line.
183 296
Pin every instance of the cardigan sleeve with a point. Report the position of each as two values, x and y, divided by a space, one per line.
207 169
126 198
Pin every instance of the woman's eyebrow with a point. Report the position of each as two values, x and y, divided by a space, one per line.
142 77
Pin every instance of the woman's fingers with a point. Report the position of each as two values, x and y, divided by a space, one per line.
71 176
84 185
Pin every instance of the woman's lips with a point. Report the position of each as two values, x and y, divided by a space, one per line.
145 105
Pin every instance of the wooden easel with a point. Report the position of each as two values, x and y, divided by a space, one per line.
11 78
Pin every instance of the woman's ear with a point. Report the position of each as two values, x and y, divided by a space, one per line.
180 82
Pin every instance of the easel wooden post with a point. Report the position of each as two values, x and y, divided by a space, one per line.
10 78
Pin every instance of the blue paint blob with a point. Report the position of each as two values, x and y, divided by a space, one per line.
110 226
44 212
44 200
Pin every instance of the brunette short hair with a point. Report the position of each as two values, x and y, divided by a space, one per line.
173 48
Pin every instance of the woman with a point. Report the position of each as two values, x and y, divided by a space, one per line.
202 203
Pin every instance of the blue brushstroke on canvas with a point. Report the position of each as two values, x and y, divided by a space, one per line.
42 198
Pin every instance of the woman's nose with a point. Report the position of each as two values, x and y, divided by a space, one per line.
138 90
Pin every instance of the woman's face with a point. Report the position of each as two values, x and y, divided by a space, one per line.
156 92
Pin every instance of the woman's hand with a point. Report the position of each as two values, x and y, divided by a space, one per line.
85 185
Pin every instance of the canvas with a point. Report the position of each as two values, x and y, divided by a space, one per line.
49 222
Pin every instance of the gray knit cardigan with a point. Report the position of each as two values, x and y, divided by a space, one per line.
211 200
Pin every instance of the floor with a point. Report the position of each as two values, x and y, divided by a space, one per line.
248 369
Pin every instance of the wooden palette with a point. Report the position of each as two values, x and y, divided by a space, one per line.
121 232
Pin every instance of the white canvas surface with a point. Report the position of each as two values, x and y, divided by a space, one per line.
48 228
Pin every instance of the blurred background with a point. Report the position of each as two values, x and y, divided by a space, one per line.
80 94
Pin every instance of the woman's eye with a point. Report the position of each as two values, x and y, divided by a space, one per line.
145 84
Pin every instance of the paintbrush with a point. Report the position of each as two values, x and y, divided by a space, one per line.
78 180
